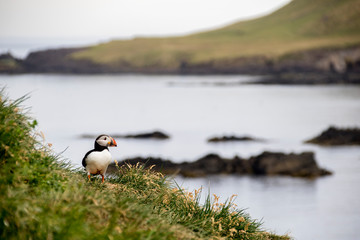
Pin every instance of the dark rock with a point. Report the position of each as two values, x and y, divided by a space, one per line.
267 163
214 164
150 135
337 136
297 165
241 166
308 78
155 135
60 61
315 66
232 138
209 164
161 165
87 135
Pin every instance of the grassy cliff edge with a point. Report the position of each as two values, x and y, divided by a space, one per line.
302 25
304 36
42 198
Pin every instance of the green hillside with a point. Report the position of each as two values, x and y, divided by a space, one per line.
300 25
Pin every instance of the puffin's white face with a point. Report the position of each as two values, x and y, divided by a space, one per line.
106 141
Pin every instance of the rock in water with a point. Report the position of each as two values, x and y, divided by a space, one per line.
297 165
154 135
214 164
337 136
147 135
232 138
267 163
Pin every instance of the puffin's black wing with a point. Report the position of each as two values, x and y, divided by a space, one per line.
84 159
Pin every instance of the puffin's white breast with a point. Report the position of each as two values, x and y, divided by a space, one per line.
98 162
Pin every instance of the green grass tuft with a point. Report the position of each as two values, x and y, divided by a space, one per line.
42 198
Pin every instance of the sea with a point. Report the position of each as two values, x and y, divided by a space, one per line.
191 109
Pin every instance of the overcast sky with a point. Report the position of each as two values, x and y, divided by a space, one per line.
122 18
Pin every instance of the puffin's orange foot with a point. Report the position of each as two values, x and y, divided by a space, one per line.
89 177
102 178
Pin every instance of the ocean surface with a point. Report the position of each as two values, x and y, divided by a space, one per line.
193 108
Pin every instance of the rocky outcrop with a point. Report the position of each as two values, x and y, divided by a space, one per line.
337 136
308 78
232 139
336 63
267 163
60 61
147 135
297 165
318 66
214 164
10 64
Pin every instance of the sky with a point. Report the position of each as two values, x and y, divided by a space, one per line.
78 21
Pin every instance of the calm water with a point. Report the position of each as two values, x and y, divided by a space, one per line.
194 108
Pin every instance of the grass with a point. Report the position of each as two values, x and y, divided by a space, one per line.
42 198
8 63
300 25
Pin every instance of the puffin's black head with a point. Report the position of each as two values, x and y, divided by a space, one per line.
104 141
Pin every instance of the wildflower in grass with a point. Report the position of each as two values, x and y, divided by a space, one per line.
232 231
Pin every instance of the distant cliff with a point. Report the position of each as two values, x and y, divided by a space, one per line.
345 60
312 37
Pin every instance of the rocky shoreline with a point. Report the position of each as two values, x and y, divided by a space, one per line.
267 163
310 78
319 66
233 138
145 135
337 136
330 136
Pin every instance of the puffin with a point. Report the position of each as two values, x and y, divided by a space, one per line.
96 161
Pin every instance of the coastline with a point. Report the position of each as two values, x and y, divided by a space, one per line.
319 66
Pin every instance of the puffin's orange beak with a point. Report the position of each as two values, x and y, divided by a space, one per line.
113 143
